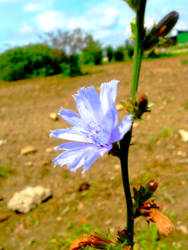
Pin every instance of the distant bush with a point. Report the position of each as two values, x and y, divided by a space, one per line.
31 61
92 54
97 55
119 54
87 57
109 53
129 49
153 54
75 69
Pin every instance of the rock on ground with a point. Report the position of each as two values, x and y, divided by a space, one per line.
54 116
184 135
28 150
29 198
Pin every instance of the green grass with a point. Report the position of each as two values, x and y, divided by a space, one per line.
4 171
186 106
165 132
146 238
184 62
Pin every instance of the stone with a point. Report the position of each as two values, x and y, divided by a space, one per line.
117 166
184 135
83 187
108 222
27 199
119 107
182 228
49 150
2 142
54 116
80 206
180 153
135 124
5 218
59 218
29 164
28 150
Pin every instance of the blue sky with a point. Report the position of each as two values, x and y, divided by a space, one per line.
23 21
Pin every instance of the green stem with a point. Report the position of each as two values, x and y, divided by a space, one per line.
124 148
138 47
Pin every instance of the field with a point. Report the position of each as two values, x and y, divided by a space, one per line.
158 151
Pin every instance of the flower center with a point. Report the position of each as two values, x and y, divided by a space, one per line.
97 134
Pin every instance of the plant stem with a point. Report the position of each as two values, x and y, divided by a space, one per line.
125 142
124 148
138 47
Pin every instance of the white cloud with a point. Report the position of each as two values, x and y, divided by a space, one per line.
26 30
95 20
32 7
181 25
149 22
50 20
10 1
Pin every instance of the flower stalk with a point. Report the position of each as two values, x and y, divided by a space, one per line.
125 142
138 47
124 149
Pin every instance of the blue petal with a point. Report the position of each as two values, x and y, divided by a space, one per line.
108 94
71 117
123 127
88 104
75 158
110 120
104 150
71 134
90 159
71 146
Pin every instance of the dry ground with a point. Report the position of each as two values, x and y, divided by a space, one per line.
158 152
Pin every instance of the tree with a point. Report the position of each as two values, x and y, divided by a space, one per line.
66 41
93 52
109 53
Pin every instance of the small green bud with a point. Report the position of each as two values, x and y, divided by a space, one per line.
134 4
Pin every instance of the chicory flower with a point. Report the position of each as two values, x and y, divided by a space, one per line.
93 130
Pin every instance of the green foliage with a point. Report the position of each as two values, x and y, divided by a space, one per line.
152 54
184 62
97 54
4 171
119 54
147 238
92 54
75 69
129 49
30 61
109 53
186 106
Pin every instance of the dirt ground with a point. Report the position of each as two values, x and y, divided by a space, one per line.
157 152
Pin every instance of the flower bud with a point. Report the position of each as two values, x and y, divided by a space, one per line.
160 30
152 213
167 23
163 223
152 186
79 243
140 105
93 240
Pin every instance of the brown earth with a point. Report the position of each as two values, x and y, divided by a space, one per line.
157 152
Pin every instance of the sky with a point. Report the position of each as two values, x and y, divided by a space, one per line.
25 21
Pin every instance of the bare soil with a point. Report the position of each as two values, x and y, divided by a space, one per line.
158 152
